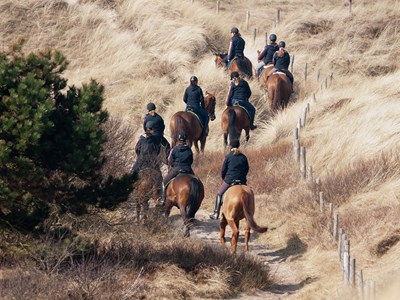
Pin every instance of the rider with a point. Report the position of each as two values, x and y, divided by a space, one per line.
236 46
180 161
158 126
194 99
234 171
239 91
265 56
281 60
147 150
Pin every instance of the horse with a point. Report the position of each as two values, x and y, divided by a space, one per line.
279 90
242 65
235 119
186 192
188 122
238 203
147 187
263 78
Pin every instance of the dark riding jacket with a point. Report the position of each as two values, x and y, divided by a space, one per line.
194 97
281 63
181 157
236 48
159 126
147 153
268 53
235 168
238 92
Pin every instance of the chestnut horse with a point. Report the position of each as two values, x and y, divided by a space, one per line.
235 119
279 90
238 203
188 122
186 192
147 187
242 65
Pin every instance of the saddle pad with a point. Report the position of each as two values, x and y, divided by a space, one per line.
244 108
279 72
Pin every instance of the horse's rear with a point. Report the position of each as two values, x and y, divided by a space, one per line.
238 204
235 119
263 78
186 192
279 91
242 65
183 121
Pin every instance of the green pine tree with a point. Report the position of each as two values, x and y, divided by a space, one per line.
51 140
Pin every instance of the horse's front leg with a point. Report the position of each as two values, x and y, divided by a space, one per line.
203 144
247 236
247 131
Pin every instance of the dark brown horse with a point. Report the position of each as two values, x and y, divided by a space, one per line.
186 192
279 90
242 65
238 204
235 119
188 122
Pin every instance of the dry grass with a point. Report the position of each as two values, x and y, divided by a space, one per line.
146 50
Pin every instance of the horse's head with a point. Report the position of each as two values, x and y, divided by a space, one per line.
218 58
209 101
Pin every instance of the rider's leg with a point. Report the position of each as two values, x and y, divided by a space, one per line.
218 200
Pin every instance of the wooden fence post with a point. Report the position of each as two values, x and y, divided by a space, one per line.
299 126
308 107
310 174
254 35
218 6
296 145
278 17
314 98
318 76
352 279
340 233
350 6
321 201
291 64
360 284
343 239
330 205
247 19
346 262
335 226
304 117
303 162
305 73
326 82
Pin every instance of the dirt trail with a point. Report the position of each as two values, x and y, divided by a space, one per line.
286 281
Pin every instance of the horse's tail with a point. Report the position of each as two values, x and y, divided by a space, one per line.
278 93
179 128
194 198
245 66
246 197
232 133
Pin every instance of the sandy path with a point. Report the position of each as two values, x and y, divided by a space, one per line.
286 281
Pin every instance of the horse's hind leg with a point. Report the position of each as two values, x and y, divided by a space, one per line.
222 227
247 236
235 235
247 131
225 139
185 222
203 143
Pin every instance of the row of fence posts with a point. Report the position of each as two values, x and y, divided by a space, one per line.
352 277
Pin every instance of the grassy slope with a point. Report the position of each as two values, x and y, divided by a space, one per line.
144 51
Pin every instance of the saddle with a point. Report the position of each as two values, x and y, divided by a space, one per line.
189 109
231 62
237 103
236 182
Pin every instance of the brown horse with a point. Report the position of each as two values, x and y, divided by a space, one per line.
147 187
238 203
188 122
263 78
235 119
186 192
279 90
242 65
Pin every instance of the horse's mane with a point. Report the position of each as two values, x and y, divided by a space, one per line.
245 66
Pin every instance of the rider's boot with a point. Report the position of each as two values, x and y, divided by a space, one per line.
161 201
218 203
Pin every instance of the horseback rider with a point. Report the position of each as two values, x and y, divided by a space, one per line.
236 46
234 171
239 92
147 150
266 55
281 60
180 161
194 99
158 126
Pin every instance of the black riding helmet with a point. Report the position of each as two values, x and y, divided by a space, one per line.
234 30
193 79
182 137
234 75
151 106
150 125
282 44
272 37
